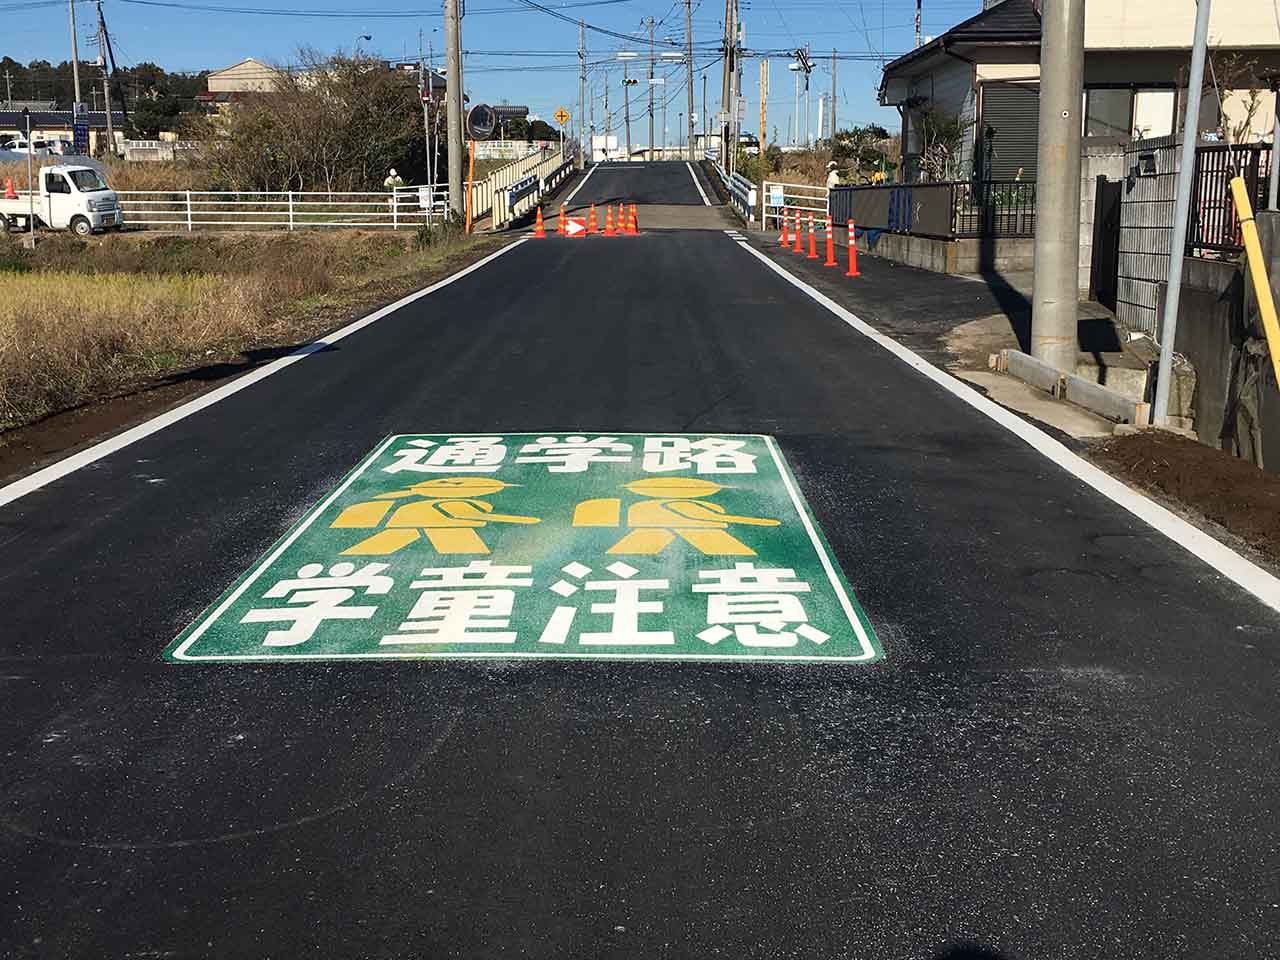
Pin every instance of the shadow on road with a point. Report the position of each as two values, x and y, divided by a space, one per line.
248 360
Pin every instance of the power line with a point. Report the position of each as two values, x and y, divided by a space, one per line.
342 14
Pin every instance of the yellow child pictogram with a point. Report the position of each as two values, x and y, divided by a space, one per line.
447 512
677 507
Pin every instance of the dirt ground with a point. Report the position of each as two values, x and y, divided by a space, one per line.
1224 489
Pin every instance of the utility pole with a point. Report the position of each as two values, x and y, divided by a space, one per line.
1054 307
705 119
75 48
688 70
1178 241
8 89
764 103
453 102
651 22
608 120
426 118
582 92
626 105
726 85
918 5
103 50
664 123
833 101
808 99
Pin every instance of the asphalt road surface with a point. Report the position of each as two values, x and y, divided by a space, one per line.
1068 749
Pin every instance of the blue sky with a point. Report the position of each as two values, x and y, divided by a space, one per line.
516 54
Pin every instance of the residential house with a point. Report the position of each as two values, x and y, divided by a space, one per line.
985 74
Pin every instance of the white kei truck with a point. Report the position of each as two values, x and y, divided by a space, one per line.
70 198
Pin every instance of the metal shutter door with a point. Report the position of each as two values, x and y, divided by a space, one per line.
1012 111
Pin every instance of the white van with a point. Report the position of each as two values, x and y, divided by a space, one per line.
70 198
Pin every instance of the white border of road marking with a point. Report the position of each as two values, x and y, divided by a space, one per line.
249 578
702 193
1216 554
569 199
55 471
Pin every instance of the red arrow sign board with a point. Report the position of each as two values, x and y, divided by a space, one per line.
575 226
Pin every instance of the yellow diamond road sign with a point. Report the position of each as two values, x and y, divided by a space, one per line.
562 116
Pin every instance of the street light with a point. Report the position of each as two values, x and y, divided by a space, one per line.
355 48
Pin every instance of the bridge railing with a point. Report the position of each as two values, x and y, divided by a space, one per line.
742 192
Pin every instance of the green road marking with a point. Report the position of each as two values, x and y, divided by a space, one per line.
634 546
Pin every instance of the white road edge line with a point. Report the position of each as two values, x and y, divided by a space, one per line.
702 193
569 199
55 471
1216 554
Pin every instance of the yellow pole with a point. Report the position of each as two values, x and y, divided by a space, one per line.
1258 271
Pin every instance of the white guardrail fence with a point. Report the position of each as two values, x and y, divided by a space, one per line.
525 194
485 192
742 192
192 210
791 197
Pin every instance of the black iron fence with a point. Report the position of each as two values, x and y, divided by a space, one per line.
1213 225
948 210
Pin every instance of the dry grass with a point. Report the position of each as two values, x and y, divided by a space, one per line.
84 320
122 175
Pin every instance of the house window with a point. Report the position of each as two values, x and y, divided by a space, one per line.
1106 113
1153 113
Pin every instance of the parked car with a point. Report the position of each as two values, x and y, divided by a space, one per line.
39 146
70 198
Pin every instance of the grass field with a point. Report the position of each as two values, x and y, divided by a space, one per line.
86 320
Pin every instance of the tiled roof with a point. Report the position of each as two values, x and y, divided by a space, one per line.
41 119
1012 21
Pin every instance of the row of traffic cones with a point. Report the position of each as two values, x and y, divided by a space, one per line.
628 225
785 241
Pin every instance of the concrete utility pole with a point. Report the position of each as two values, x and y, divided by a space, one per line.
651 22
1054 308
664 123
1273 181
688 69
1178 240
8 89
608 120
106 83
764 103
626 106
453 102
808 100
918 4
75 48
725 87
705 119
582 93
833 101
426 113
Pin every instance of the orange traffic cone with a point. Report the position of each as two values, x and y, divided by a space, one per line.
831 247
633 228
813 244
608 220
9 192
622 219
853 252
538 231
560 222
798 248
592 227
784 239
